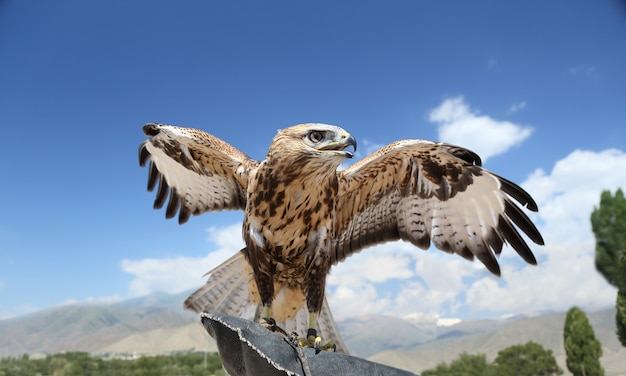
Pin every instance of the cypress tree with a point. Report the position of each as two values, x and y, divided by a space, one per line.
608 222
582 349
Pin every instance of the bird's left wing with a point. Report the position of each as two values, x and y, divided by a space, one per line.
423 192
197 171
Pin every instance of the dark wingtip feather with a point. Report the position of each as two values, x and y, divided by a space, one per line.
465 154
161 195
518 193
151 129
172 205
144 154
153 176
423 242
513 237
184 214
490 262
495 242
522 221
466 253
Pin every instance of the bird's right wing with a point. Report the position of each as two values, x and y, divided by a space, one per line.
197 171
432 193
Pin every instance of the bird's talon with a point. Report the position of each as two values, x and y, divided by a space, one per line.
329 346
318 341
268 323
315 342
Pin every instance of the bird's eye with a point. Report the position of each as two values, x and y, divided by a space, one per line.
316 136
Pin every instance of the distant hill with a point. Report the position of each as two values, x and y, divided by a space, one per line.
372 334
477 337
157 324
96 327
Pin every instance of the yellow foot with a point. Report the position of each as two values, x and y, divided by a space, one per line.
316 343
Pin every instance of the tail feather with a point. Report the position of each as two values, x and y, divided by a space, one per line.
226 292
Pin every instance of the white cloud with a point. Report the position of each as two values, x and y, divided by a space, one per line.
178 274
380 264
565 279
16 311
567 194
454 268
431 318
583 70
355 280
349 300
460 125
97 300
518 106
448 321
371 147
423 282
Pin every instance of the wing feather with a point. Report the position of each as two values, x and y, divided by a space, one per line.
431 193
196 171
517 193
226 290
161 195
153 174
173 204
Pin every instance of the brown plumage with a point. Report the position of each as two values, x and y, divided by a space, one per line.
302 215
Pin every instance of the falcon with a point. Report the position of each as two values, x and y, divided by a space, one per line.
302 215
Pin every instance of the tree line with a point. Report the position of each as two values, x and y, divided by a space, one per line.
529 359
84 364
582 349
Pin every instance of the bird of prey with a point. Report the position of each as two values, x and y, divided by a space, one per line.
302 215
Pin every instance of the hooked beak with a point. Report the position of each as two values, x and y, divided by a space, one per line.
340 146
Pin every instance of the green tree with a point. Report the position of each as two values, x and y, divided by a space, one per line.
620 316
608 223
84 364
530 359
582 349
464 365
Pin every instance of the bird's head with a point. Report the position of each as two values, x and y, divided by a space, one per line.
319 145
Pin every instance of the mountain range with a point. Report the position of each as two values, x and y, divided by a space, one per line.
157 324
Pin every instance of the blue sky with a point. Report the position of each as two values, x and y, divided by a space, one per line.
537 87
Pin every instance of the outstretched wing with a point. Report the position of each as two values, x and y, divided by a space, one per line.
423 192
197 171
